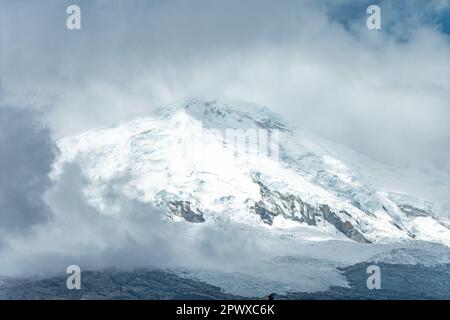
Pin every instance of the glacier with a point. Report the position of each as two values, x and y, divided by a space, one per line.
314 183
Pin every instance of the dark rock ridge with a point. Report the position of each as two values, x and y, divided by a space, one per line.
404 282
414 212
411 211
114 284
416 282
183 209
274 203
345 227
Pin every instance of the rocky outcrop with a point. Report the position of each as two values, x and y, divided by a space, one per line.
411 211
274 203
183 209
292 207
346 227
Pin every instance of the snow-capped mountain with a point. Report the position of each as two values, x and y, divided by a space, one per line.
186 160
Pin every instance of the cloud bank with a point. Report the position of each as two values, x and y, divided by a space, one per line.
139 235
26 157
385 93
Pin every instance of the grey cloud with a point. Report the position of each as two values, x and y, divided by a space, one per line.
80 234
26 156
3 243
368 90
136 235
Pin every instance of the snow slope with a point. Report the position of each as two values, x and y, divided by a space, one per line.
181 160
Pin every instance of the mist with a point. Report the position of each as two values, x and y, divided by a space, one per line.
384 93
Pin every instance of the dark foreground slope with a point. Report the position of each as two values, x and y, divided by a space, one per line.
398 282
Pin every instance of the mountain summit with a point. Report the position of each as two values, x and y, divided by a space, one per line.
281 177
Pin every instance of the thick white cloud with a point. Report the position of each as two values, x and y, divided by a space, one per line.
139 235
385 93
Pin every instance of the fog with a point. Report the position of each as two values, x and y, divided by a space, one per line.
384 93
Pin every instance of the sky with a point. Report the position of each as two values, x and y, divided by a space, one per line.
385 93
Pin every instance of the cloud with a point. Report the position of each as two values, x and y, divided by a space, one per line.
133 235
384 93
47 225
26 156
399 18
